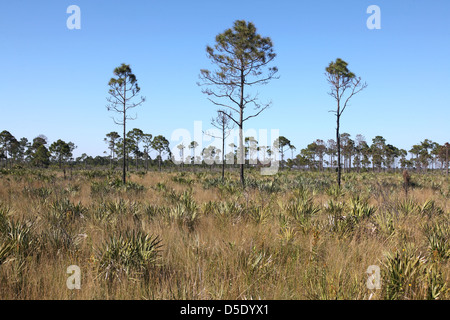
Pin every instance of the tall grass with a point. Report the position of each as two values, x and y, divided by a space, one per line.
191 236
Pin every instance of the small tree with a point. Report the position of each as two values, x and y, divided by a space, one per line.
111 139
391 154
320 151
378 151
136 135
251 149
22 148
331 151
38 152
415 151
424 154
7 143
283 144
242 57
347 147
209 155
123 91
61 152
181 147
359 146
147 143
344 85
193 145
223 122
160 144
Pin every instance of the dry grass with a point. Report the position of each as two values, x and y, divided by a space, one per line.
222 242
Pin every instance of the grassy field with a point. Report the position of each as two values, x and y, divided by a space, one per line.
186 235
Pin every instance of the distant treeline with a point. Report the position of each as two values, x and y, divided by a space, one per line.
356 154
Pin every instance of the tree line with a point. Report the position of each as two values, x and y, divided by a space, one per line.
377 156
36 153
357 154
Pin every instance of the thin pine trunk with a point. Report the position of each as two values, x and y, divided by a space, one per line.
338 140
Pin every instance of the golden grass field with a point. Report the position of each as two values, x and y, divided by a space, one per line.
187 235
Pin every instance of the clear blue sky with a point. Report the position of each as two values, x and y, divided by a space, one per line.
54 80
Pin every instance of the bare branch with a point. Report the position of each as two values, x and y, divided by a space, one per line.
257 114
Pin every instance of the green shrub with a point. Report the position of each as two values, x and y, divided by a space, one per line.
438 238
402 274
131 255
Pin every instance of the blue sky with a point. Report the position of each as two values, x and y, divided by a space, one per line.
55 79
